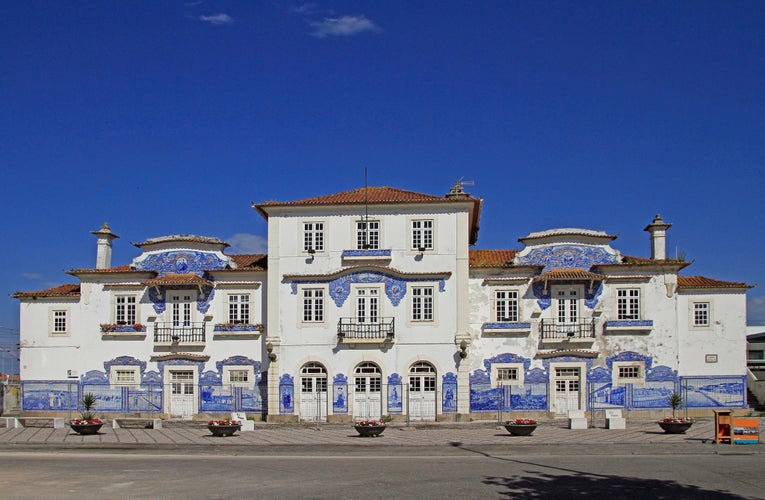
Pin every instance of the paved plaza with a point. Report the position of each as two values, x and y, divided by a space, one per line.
642 435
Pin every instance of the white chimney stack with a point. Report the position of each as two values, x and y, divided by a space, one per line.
658 229
104 251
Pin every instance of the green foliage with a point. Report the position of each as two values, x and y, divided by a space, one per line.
88 404
675 400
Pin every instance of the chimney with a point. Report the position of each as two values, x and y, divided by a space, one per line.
104 251
658 229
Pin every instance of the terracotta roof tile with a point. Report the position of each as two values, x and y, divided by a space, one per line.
117 269
177 279
704 282
492 258
255 261
573 273
70 290
645 261
379 195
372 194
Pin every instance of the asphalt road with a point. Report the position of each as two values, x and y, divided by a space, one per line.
402 472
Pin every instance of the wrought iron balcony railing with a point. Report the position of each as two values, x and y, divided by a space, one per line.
584 329
355 329
179 333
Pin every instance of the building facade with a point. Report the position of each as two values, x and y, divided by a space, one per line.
371 302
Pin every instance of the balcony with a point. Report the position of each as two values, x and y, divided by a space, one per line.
355 331
580 332
181 334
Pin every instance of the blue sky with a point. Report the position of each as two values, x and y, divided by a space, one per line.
171 117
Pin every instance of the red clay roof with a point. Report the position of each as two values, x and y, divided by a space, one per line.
177 279
644 261
704 282
574 273
379 195
491 258
70 290
117 269
372 195
254 261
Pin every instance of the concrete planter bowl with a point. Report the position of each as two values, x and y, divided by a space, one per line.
369 430
675 427
223 430
521 429
86 428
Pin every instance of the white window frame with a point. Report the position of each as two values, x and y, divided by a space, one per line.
125 306
116 381
312 321
231 369
497 368
421 236
55 314
418 304
630 311
617 378
313 236
374 234
508 300
239 305
693 316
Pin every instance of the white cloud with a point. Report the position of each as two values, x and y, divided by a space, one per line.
305 9
217 19
247 243
755 311
342 26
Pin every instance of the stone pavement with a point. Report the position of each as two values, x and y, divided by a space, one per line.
640 435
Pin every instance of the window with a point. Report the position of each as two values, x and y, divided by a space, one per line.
313 236
124 375
239 309
238 376
368 235
506 306
506 374
124 310
60 321
422 234
628 303
628 373
422 303
313 305
701 314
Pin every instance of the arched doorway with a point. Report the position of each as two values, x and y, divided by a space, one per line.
367 395
422 391
313 392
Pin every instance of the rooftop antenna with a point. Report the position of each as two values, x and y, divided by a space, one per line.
459 187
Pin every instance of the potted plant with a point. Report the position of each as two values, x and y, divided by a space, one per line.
225 427
521 426
87 423
371 428
675 424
